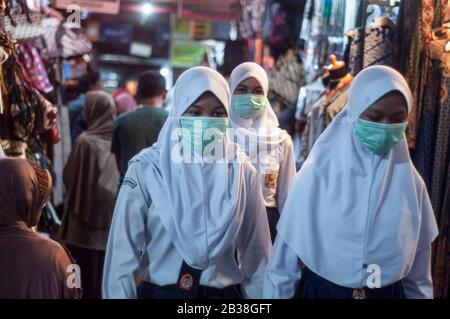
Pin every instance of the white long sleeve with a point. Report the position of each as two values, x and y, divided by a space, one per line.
254 243
127 237
140 245
287 173
283 272
2 154
418 284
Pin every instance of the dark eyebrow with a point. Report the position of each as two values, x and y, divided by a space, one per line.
376 111
400 112
242 86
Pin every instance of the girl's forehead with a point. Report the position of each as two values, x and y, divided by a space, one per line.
251 81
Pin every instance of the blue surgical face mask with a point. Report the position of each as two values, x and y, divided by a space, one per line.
248 105
379 138
198 131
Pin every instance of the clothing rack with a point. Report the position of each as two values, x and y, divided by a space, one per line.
363 18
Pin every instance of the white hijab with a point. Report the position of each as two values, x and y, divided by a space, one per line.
2 154
199 203
347 203
264 126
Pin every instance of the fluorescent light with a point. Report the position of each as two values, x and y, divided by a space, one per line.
147 8
164 71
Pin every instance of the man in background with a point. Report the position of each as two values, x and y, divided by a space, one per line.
134 131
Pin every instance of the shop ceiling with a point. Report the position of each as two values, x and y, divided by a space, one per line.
191 9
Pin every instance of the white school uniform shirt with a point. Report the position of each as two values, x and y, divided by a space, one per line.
200 213
2 154
350 209
276 163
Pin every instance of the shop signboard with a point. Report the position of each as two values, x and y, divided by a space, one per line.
97 6
116 32
186 52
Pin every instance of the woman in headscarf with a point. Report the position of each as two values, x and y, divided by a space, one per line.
257 131
31 266
91 178
358 222
195 226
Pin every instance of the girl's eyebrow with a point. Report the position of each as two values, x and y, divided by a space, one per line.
376 111
399 112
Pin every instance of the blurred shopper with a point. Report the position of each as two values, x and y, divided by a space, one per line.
90 179
31 266
260 137
87 83
139 129
190 229
125 102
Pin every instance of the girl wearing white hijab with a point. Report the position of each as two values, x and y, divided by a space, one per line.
179 226
358 222
257 131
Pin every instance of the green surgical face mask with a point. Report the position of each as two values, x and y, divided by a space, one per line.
377 137
198 131
248 105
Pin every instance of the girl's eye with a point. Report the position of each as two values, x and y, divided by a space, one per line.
259 92
219 114
373 118
241 90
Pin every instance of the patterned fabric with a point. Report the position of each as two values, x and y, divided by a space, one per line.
432 153
428 11
425 144
417 20
33 68
286 78
441 172
408 56
379 45
445 11
252 17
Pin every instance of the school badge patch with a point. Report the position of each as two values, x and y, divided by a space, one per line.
271 180
186 282
359 294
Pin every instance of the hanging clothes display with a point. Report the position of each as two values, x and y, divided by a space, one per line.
379 46
252 17
28 116
33 68
322 30
416 20
34 123
286 79
432 150
422 58
286 26
328 105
